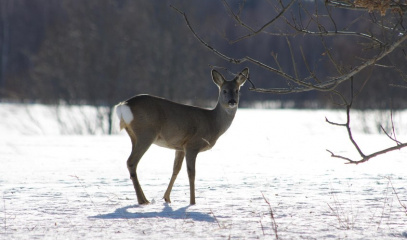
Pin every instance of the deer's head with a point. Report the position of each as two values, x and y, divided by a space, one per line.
229 90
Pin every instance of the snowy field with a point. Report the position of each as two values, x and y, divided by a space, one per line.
59 185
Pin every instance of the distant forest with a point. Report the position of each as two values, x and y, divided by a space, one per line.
101 52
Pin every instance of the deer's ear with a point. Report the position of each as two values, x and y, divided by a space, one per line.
242 76
218 78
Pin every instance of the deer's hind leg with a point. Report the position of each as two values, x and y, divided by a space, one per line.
140 145
179 157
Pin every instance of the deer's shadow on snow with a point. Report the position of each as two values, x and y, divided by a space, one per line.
136 211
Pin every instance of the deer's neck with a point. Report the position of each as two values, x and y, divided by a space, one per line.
223 117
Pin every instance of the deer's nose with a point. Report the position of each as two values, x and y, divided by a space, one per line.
232 103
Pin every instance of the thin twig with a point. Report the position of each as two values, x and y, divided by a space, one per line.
396 85
334 123
392 125
5 215
389 136
90 197
216 219
397 196
292 58
384 206
252 31
273 220
311 72
350 133
393 130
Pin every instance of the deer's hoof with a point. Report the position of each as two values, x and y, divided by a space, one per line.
144 202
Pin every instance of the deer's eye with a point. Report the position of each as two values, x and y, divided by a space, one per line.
224 91
237 91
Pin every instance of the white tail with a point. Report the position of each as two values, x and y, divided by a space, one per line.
124 114
187 129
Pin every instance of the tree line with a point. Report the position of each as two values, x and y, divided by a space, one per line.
100 52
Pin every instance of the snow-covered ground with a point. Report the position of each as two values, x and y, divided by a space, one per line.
58 186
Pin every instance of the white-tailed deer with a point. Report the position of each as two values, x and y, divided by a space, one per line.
187 129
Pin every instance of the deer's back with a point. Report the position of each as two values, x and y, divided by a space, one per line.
175 125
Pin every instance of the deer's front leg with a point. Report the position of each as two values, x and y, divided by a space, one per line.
179 157
191 159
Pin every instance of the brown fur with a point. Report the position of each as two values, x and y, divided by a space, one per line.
186 129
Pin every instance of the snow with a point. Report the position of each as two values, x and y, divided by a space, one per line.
59 185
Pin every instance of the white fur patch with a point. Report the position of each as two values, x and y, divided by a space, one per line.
124 112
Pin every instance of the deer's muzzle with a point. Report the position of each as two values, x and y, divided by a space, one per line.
232 103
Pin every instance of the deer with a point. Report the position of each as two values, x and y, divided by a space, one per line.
187 129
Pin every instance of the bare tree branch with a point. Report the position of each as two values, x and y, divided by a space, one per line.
368 157
303 86
253 31
323 32
388 35
347 124
365 158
